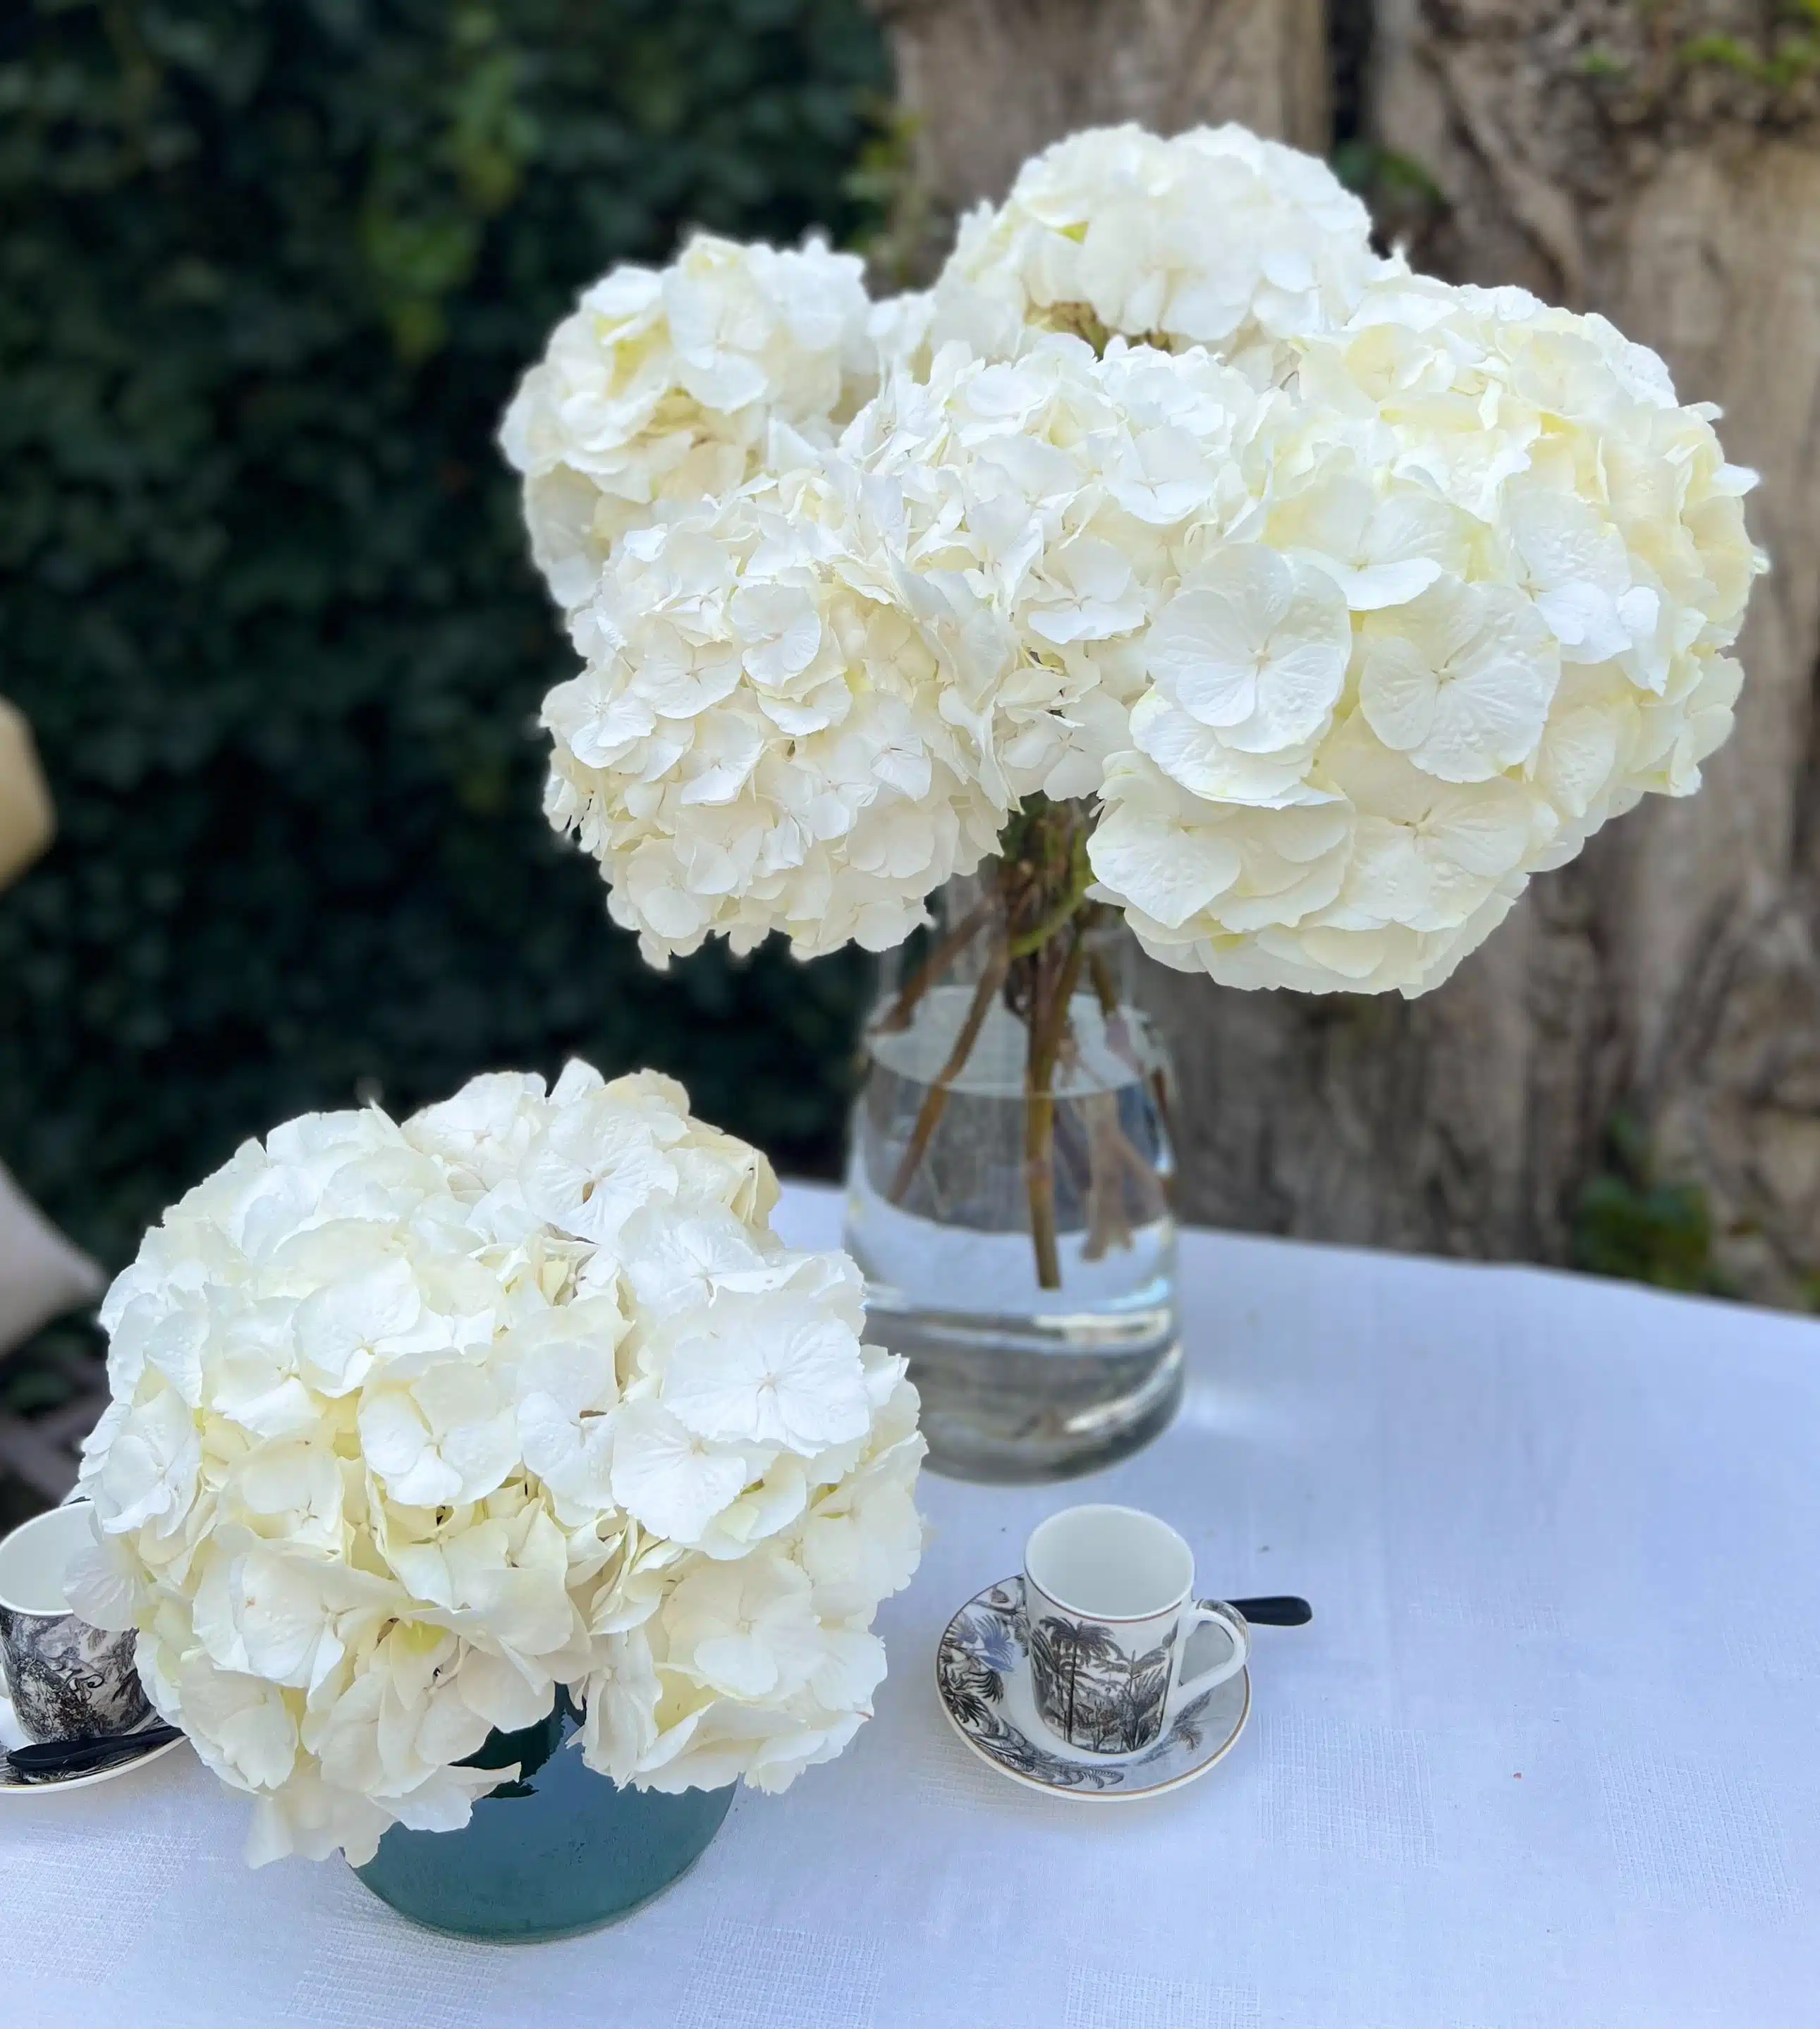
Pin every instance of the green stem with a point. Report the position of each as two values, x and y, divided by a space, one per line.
937 962
1048 1021
1080 879
930 1113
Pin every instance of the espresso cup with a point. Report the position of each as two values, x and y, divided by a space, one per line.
1109 1606
67 1680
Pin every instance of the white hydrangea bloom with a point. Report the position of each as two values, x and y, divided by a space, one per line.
414 1424
1534 559
680 384
1215 238
1042 499
1352 598
758 738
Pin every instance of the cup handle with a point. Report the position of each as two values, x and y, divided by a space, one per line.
1196 1614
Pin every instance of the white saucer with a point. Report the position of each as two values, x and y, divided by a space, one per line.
16 1786
982 1675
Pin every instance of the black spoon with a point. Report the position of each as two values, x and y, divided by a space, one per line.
1280 1610
43 1758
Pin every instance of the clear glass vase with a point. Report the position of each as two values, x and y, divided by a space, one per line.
1009 1175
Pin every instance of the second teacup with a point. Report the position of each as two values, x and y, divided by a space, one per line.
68 1681
1109 1606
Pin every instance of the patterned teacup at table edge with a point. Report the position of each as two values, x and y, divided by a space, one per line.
67 1680
1109 1609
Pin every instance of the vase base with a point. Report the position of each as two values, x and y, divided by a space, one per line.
475 1930
997 1409
552 1852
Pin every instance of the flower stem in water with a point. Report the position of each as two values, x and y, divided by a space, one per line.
936 1098
1048 1021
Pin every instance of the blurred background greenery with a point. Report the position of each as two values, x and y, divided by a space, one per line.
269 269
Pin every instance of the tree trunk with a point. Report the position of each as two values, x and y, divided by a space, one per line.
986 82
1607 158
1660 165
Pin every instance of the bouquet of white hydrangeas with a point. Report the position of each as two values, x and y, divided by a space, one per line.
1177 548
413 1425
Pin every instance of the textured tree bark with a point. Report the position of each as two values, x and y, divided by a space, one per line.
988 81
1626 160
1604 156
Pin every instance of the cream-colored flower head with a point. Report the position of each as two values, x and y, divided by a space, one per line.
1354 598
1215 238
1044 497
412 1425
675 384
757 740
1486 609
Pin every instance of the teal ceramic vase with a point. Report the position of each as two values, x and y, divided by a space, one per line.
558 1851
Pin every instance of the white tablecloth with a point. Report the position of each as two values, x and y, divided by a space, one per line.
1547 1756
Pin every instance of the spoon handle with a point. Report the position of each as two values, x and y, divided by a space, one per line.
1280 1610
72 1757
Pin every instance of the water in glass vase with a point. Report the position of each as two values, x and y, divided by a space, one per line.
1018 1245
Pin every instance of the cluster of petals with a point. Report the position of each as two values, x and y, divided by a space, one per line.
1040 504
1215 238
412 1425
1350 599
676 384
757 739
1487 608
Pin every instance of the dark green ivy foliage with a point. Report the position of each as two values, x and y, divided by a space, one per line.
1631 1222
269 269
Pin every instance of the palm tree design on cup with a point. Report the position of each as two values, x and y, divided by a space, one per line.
1091 1693
980 1663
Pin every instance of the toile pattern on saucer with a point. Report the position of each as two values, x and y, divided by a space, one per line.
983 1673
83 1775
